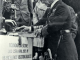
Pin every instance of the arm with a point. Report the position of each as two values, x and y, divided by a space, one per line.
58 19
41 22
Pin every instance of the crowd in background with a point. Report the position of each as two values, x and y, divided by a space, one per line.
60 32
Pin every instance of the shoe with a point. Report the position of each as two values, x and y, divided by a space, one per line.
36 56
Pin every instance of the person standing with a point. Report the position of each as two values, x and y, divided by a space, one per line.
59 37
38 42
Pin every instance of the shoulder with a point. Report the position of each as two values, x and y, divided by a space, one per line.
71 9
62 7
61 4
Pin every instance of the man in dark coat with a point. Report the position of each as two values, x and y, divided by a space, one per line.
59 38
74 26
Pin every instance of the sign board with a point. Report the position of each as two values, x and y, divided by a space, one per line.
10 49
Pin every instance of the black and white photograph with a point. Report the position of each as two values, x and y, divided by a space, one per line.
39 29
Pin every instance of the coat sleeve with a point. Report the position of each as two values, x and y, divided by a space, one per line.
74 25
58 19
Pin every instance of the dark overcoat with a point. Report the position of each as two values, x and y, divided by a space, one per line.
77 39
60 20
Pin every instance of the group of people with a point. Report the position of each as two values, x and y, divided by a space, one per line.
59 30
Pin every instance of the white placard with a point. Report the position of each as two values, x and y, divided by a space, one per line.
11 50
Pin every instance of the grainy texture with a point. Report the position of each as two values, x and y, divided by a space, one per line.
74 3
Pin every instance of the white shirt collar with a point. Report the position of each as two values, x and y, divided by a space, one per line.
54 3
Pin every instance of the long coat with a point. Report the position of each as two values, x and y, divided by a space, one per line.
60 20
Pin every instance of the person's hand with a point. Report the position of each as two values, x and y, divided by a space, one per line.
44 31
27 28
37 32
23 28
3 30
11 21
19 28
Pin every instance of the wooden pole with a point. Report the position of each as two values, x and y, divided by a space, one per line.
30 8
